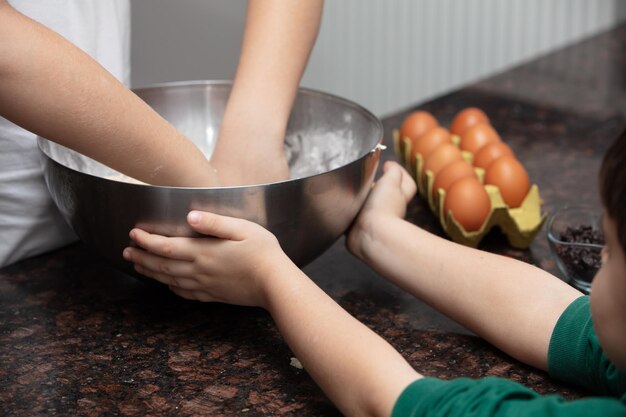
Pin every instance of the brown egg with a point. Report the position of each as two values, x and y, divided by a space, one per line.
429 141
478 136
443 155
415 125
450 174
490 152
469 203
467 118
508 174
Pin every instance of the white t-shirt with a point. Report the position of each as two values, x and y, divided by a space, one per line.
30 223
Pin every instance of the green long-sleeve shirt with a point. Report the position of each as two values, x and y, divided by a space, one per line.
574 356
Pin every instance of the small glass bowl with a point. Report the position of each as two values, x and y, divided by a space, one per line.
576 241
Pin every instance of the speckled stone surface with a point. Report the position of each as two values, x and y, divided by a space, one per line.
79 338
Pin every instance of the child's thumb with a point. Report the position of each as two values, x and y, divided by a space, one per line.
212 224
392 174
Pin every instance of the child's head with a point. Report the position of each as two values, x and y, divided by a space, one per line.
608 295
613 184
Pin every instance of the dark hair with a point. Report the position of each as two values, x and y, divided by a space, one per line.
613 186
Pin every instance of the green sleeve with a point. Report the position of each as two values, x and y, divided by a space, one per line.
575 356
464 397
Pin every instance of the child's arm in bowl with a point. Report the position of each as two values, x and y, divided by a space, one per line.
511 304
52 88
278 40
239 262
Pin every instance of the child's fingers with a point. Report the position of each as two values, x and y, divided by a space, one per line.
392 174
158 263
212 224
169 280
395 174
390 165
168 247
408 186
188 294
192 295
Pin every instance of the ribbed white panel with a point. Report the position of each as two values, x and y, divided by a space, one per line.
387 55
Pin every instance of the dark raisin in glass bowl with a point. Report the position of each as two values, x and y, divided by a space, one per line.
576 241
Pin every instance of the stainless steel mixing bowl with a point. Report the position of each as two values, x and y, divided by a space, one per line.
333 147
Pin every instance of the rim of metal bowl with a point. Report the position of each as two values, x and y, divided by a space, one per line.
377 123
554 239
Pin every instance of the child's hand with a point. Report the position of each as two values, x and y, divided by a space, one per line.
263 162
391 193
230 265
389 197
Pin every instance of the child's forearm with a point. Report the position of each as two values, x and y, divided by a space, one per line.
278 40
360 372
52 88
512 304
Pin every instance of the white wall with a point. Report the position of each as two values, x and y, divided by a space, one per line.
385 55
185 39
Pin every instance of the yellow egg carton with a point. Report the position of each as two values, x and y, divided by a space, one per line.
520 225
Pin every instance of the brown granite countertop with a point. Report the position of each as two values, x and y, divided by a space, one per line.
79 338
